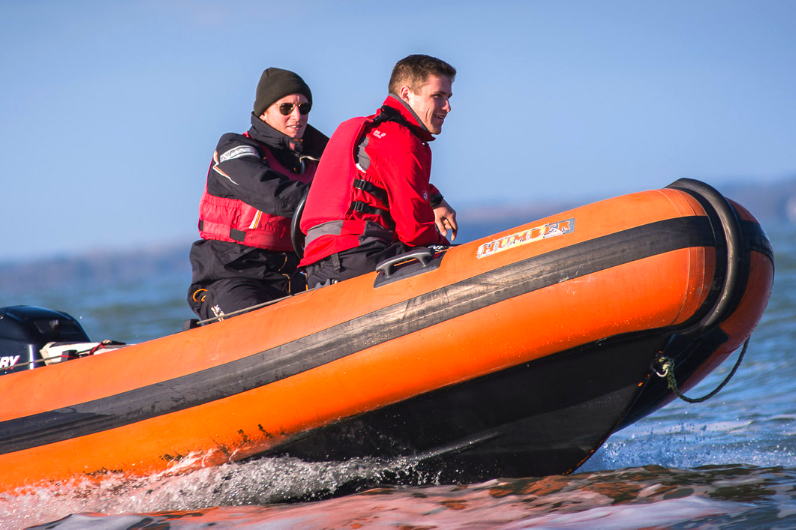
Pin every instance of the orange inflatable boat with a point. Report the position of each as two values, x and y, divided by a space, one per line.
514 355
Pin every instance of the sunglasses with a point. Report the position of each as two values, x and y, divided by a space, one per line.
287 108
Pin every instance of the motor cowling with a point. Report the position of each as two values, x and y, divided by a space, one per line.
25 330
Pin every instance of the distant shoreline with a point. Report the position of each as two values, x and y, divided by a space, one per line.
771 201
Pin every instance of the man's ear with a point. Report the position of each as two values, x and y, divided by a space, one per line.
404 92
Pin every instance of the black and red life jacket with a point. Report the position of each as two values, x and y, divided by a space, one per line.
235 221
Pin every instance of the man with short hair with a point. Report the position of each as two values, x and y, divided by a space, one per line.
371 198
255 183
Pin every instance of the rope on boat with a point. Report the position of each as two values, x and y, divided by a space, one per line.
223 316
668 373
71 354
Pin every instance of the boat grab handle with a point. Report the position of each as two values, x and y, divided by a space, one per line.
423 254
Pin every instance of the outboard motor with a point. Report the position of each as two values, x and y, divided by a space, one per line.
25 330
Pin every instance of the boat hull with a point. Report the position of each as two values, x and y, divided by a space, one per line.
539 418
514 355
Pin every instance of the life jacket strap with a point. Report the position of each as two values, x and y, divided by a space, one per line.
363 207
237 235
369 187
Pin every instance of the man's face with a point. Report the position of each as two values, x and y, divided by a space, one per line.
294 122
431 103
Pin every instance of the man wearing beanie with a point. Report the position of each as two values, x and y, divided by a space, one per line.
256 180
371 198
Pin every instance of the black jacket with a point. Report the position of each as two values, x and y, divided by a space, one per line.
263 188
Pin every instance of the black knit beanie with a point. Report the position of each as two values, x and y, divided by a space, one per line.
275 84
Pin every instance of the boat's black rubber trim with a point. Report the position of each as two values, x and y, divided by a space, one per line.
358 334
757 239
734 260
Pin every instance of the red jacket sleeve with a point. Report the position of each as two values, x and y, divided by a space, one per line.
435 195
409 192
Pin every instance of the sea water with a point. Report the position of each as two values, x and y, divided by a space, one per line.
727 463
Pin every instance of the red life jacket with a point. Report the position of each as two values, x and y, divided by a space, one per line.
347 206
326 232
235 221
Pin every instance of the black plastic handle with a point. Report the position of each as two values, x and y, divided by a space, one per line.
423 254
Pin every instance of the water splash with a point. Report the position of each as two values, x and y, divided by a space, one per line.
653 496
256 482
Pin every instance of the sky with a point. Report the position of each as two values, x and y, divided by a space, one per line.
110 111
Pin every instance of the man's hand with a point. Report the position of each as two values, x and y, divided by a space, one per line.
445 218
